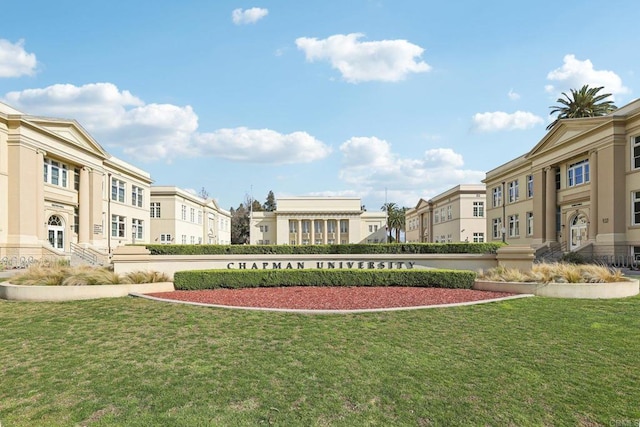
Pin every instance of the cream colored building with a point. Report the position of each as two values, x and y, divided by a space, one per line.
457 215
180 217
61 192
578 189
315 221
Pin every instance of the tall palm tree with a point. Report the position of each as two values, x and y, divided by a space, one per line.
388 208
585 102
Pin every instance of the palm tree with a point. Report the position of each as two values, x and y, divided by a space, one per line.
388 208
582 103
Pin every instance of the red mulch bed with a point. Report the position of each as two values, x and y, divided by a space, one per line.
331 298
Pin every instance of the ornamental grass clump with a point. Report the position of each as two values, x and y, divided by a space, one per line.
62 275
558 272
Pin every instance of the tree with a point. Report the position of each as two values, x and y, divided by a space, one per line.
585 102
388 208
270 204
239 225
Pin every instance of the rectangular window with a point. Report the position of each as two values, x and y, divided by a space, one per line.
117 226
529 223
478 209
165 239
306 227
370 228
578 173
317 226
513 191
497 228
344 226
76 179
635 203
184 239
478 237
636 152
154 212
199 217
137 230
293 227
184 212
76 220
514 225
136 196
449 212
55 173
117 190
529 186
264 228
193 240
331 226
497 196
436 217
449 238
557 179
192 215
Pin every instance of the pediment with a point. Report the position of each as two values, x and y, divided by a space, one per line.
72 133
422 204
567 130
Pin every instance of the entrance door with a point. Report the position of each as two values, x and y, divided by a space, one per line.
578 232
55 229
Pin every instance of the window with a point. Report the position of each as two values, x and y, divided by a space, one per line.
264 228
137 230
635 202
497 196
449 212
331 226
513 191
478 237
55 173
344 227
76 220
514 225
199 217
449 238
165 239
155 210
578 173
529 223
293 227
192 215
636 152
557 179
117 190
436 217
184 212
193 240
317 225
529 186
306 226
184 239
117 226
136 196
76 179
478 209
370 228
497 228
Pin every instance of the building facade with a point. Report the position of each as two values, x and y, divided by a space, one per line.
316 221
457 215
60 190
180 217
578 189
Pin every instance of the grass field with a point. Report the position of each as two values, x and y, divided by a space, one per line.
133 362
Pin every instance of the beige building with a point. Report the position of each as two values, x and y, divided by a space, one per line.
578 189
316 221
62 193
457 215
180 217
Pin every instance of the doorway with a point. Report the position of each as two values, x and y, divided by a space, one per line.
55 231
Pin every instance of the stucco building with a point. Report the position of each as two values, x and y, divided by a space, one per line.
578 189
180 217
61 192
317 220
457 215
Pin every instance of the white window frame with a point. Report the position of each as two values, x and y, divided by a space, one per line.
345 228
165 239
184 212
478 209
137 196
118 226
154 210
514 225
449 212
497 196
635 208
529 223
496 225
118 190
55 173
635 153
529 186
137 226
578 173
478 237
514 192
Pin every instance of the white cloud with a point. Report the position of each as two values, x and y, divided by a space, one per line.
575 73
15 61
161 131
248 16
385 60
261 146
370 165
513 95
499 120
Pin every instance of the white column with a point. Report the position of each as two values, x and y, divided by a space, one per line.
84 202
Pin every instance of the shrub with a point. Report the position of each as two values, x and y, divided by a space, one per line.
60 275
558 272
234 279
147 277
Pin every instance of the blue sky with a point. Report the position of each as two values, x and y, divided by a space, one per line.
383 100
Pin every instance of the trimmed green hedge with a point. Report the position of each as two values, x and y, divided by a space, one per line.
236 279
394 248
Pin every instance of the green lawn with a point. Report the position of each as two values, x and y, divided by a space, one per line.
133 362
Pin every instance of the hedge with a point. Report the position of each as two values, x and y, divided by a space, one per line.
236 279
394 248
